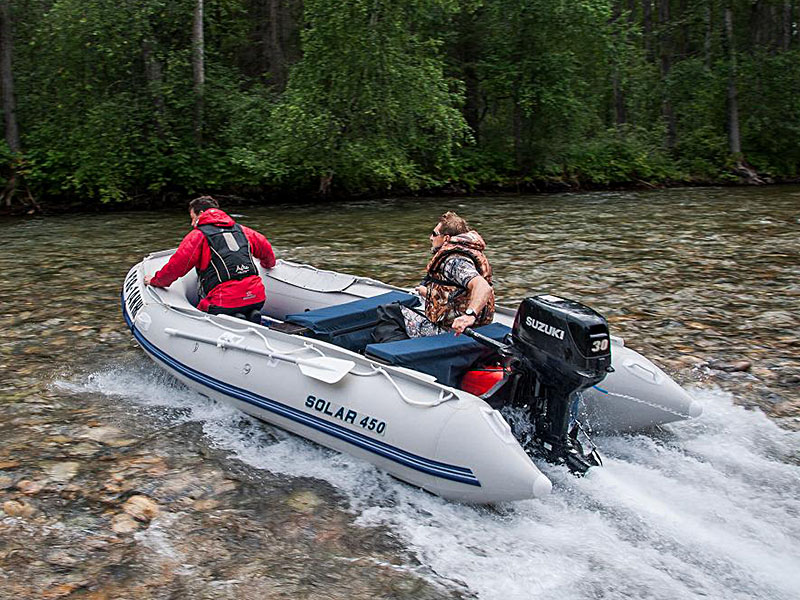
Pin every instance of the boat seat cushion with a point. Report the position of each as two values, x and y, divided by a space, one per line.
349 325
447 357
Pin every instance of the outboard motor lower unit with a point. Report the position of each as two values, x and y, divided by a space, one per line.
559 347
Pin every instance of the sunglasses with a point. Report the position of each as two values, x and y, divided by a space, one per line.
435 233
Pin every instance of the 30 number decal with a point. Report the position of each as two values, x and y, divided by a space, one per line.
600 345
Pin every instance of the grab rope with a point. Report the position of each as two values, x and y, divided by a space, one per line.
443 395
645 402
207 318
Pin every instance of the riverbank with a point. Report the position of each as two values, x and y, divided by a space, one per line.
27 205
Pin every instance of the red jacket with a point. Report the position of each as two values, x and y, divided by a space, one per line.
194 252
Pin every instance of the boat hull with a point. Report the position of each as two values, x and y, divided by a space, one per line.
406 423
449 442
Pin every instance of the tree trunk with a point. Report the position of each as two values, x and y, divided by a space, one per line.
9 104
276 34
786 23
325 183
665 49
756 23
155 79
709 18
467 54
7 78
682 46
647 26
620 116
198 69
734 139
277 59
516 127
616 83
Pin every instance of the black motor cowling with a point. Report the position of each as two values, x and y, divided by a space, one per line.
568 343
562 347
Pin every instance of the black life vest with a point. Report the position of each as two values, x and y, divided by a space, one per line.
230 256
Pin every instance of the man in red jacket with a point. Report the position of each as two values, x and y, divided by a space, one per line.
222 251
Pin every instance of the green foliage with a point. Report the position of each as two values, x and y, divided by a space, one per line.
544 75
617 156
698 94
95 125
368 105
770 91
380 92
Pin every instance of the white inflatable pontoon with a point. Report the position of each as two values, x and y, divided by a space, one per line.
309 368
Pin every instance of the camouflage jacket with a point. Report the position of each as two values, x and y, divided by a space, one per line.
445 299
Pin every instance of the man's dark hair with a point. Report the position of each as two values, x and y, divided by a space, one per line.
452 224
202 203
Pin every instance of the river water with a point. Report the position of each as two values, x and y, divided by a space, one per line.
116 482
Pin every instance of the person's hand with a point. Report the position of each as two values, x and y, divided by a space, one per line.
148 279
462 322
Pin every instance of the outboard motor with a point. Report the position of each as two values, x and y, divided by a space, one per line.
559 347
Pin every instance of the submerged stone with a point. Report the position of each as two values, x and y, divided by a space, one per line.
124 523
207 504
61 558
18 508
63 471
305 502
141 508
109 436
30 488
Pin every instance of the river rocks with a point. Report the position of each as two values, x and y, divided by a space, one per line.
304 502
124 523
207 504
787 408
59 439
83 449
141 508
61 591
151 512
62 471
737 366
104 519
61 558
764 373
779 318
18 508
30 488
109 436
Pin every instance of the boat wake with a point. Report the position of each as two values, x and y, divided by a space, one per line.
706 508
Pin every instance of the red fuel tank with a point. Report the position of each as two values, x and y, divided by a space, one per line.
480 381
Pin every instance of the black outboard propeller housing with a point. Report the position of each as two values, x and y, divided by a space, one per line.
559 347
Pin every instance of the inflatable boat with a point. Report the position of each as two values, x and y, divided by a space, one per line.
429 411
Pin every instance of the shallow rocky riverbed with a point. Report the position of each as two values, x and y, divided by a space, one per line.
103 498
99 505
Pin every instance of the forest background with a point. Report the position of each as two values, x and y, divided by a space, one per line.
119 102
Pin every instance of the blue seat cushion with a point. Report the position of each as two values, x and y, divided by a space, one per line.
447 357
350 324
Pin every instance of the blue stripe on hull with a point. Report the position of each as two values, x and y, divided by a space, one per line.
418 463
